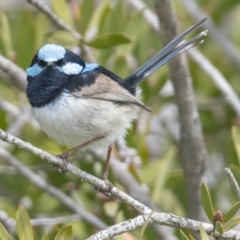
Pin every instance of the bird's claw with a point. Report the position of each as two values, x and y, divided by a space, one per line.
64 168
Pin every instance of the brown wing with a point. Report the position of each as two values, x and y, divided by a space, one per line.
108 90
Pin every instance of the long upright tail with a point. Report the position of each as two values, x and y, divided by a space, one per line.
171 50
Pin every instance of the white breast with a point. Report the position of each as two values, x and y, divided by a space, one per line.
72 121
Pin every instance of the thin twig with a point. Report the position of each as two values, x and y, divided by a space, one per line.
17 75
9 108
233 181
218 79
100 184
10 223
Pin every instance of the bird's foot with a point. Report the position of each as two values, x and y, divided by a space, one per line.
64 167
109 186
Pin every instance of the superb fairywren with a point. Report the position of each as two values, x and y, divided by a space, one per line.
84 105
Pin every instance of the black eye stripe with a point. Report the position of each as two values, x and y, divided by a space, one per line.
41 63
60 62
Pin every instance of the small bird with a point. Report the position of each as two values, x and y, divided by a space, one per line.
84 105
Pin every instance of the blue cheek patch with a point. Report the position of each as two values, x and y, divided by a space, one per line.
34 70
71 68
89 67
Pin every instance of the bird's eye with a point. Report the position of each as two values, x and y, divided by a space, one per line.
41 63
60 62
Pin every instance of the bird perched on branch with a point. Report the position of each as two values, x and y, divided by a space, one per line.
84 105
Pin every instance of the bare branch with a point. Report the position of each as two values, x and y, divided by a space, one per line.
119 228
147 13
54 221
9 108
219 80
17 75
233 181
166 219
100 184
192 146
10 223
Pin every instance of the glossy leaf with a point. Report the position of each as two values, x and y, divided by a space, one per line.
236 141
164 168
219 227
24 228
65 233
207 202
108 40
97 16
5 35
232 212
4 235
203 234
45 236
63 38
130 29
183 236
231 223
61 8
86 13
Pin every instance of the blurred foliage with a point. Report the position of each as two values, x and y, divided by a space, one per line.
25 231
133 42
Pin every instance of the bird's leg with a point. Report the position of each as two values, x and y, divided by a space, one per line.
105 173
65 155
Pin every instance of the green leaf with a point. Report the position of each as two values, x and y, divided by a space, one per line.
231 223
24 228
207 202
6 35
203 234
165 167
87 8
146 223
63 38
236 140
108 40
232 212
61 8
130 29
183 236
40 26
97 16
4 235
64 234
219 227
45 236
